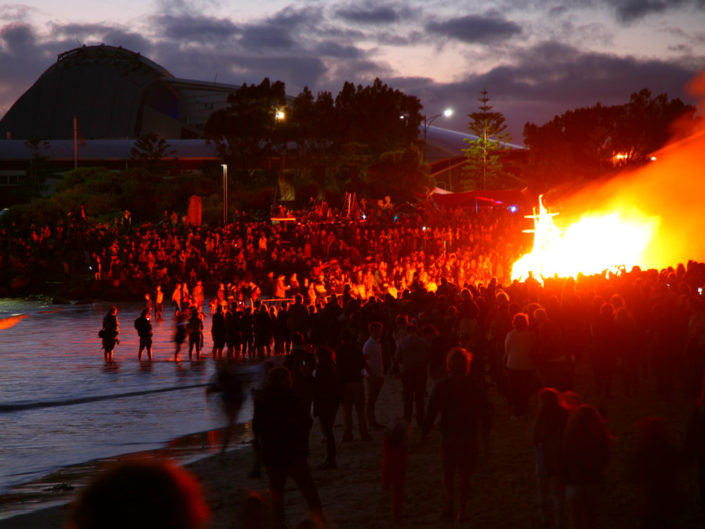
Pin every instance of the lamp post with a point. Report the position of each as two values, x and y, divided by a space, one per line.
225 193
448 112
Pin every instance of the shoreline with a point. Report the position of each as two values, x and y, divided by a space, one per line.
503 490
57 488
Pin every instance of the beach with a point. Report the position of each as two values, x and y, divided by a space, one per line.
503 489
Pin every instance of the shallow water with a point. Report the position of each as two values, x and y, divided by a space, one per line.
61 405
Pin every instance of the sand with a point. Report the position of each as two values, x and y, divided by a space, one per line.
503 487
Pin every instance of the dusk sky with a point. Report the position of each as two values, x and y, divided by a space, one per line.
537 58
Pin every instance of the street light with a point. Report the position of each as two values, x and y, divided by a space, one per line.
225 193
448 112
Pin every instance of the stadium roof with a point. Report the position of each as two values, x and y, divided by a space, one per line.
109 90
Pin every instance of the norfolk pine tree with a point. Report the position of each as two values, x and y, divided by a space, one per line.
484 168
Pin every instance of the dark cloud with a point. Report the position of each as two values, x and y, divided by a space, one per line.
17 37
194 28
629 10
90 34
331 48
475 28
295 71
356 71
127 39
227 65
265 37
375 13
23 58
547 80
370 15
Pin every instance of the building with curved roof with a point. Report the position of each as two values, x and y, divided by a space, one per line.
113 93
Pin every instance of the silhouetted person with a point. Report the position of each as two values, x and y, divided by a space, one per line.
372 351
395 458
282 424
158 303
229 385
144 331
326 401
604 353
195 332
141 494
656 469
109 333
547 436
462 404
350 363
218 332
414 355
520 348
180 333
586 446
695 442
301 363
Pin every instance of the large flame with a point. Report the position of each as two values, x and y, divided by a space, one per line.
653 217
598 242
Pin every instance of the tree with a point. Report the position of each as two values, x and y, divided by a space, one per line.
484 167
364 140
247 132
151 151
593 142
39 170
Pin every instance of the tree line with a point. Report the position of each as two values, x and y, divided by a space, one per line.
364 139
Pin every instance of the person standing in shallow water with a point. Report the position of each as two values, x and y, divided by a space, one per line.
144 331
109 333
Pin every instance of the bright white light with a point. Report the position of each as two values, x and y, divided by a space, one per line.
448 112
280 115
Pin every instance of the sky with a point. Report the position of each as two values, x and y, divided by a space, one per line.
536 58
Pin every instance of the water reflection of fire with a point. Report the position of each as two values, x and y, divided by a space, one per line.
598 242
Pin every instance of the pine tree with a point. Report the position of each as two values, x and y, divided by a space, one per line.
484 168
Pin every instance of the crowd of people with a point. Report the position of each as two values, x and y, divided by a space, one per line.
349 302
641 331
320 251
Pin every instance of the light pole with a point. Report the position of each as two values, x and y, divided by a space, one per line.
225 193
448 112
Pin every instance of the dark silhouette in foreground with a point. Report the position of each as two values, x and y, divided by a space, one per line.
141 494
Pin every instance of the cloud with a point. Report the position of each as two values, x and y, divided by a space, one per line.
631 10
91 34
200 29
15 12
330 48
375 13
23 57
475 28
549 79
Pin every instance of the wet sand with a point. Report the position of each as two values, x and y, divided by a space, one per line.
503 487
